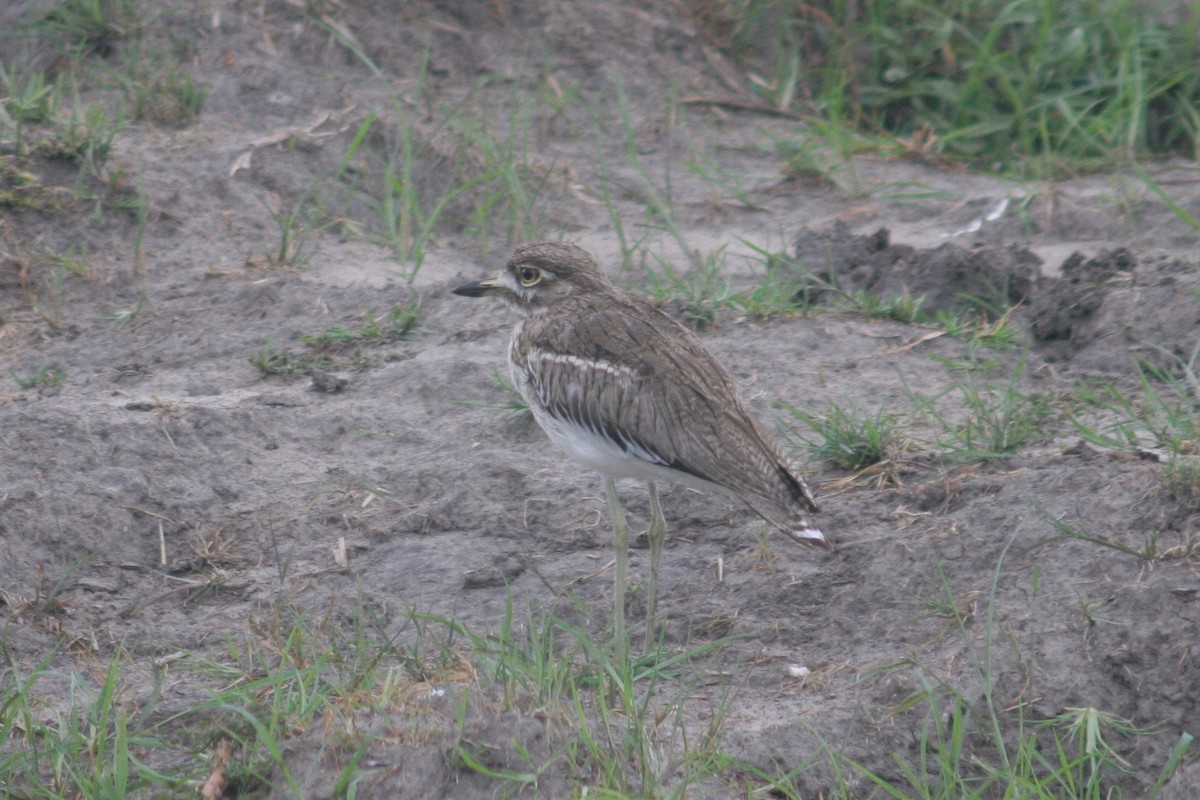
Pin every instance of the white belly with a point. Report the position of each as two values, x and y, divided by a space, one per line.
609 458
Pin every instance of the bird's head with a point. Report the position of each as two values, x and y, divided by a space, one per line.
540 275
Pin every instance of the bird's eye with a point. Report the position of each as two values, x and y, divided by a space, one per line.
528 275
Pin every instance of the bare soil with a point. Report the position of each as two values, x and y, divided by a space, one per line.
170 497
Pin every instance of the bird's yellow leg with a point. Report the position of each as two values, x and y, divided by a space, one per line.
621 547
657 534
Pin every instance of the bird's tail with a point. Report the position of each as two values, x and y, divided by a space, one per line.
792 521
802 531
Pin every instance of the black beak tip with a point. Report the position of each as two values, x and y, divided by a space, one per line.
468 290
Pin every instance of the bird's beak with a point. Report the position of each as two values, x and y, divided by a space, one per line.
484 288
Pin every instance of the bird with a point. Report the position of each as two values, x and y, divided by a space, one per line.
626 390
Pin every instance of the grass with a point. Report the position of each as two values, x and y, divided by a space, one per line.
1147 552
702 293
730 188
46 376
46 121
23 190
1180 480
85 138
458 174
45 114
120 316
990 748
29 98
296 223
1159 418
698 294
341 348
974 418
1178 210
66 114
609 712
513 406
996 419
900 308
399 322
784 287
981 330
512 182
826 156
652 194
94 27
958 755
850 438
403 222
156 88
85 745
1027 86
294 673
49 277
658 204
298 701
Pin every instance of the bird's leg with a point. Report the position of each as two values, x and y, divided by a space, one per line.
621 546
657 534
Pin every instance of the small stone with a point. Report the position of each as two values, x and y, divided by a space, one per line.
323 381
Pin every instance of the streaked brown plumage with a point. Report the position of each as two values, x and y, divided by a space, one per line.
623 388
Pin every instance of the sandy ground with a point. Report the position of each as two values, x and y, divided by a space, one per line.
170 497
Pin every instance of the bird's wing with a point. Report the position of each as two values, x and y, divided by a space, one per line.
672 405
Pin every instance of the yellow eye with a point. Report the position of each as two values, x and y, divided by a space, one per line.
528 276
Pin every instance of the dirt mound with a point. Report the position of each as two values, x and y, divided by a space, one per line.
1103 312
1100 314
946 278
